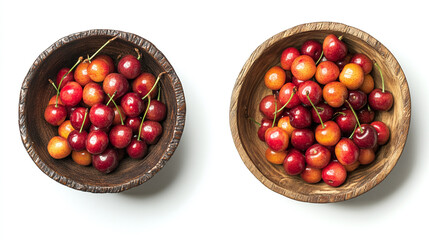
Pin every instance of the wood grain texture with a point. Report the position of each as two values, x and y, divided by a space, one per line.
249 89
36 91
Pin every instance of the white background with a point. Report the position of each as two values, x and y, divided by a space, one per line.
205 191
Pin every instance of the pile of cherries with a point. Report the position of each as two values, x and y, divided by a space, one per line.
319 120
104 112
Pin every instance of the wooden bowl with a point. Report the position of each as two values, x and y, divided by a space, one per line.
36 91
249 89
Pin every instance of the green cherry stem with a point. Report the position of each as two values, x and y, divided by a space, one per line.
84 119
354 113
290 98
159 93
156 82
320 58
105 44
381 74
353 133
110 98
275 114
256 122
317 112
144 116
117 108
139 55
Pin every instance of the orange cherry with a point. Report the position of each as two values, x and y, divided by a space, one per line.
58 147
303 67
352 76
329 135
98 69
352 167
275 157
81 73
366 156
326 72
65 129
82 157
367 85
54 99
275 78
311 175
284 123
335 93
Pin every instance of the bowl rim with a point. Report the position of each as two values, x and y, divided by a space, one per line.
234 115
178 128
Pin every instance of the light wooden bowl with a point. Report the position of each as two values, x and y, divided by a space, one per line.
36 91
249 89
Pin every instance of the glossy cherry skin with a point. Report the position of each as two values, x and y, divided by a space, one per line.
120 136
58 147
317 156
335 94
294 162
92 94
334 174
275 78
366 115
364 61
118 114
383 132
265 124
287 57
151 131
346 151
328 136
133 123
341 63
346 121
107 161
71 94
297 81
76 118
98 69
302 139
365 137
137 149
101 115
277 139
303 67
109 61
300 117
129 66
379 100
77 140
326 72
325 111
311 175
286 92
333 48
157 111
96 142
115 82
268 106
132 104
81 73
357 99
313 90
312 48
143 83
92 127
68 78
55 115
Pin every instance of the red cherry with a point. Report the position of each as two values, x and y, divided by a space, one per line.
129 66
55 115
276 139
334 174
96 142
137 149
68 78
101 115
383 132
287 57
71 94
107 161
294 162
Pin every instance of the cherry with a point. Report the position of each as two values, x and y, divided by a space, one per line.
303 67
362 60
366 115
335 93
311 175
134 123
101 115
312 90
302 139
275 78
368 84
144 83
317 156
119 115
341 63
365 136
77 138
98 69
312 48
275 157
300 117
81 73
287 95
137 149
109 61
352 76
77 118
95 128
327 72
346 121
55 115
287 57
334 174
64 76
96 142
383 132
92 94
297 81
58 147
346 151
151 131
333 48
157 111
357 99
284 123
366 156
269 105
130 66
294 162
323 110
65 129
71 94
106 161
132 104
115 82
264 125
327 134
53 100
120 136
83 157
379 100
276 139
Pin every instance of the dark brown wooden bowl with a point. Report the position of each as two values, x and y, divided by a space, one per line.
36 91
249 89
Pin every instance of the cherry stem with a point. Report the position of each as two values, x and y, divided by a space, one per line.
144 116
117 108
84 119
320 58
156 82
105 44
340 37
139 55
353 133
275 114
317 112
111 98
338 113
381 74
159 94
354 113
53 84
290 98
257 123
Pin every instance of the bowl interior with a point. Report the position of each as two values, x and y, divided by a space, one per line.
36 91
250 89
